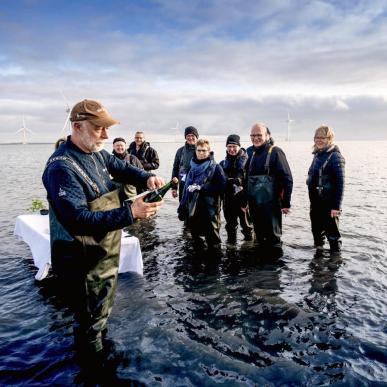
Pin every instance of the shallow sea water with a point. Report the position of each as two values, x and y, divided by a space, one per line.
194 320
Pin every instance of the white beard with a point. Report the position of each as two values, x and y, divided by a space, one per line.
90 144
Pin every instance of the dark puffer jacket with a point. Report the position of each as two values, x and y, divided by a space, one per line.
146 154
333 177
182 160
234 169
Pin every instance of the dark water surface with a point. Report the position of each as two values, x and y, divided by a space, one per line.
194 320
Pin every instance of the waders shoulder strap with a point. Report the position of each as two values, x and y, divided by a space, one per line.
79 169
267 162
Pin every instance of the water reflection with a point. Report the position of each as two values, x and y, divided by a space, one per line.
326 334
233 301
144 230
323 285
89 368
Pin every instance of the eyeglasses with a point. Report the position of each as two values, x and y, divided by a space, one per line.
202 150
256 135
320 138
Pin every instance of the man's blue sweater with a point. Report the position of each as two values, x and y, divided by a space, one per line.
69 193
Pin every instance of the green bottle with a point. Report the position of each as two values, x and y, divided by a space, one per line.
158 194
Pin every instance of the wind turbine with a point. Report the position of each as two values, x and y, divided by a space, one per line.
24 131
67 121
176 130
289 121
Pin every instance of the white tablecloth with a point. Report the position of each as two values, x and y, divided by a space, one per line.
34 230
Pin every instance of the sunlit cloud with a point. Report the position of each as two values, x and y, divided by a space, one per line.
218 64
341 105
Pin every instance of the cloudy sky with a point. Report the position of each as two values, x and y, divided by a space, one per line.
218 65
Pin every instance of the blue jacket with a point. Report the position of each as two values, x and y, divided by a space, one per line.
69 193
334 170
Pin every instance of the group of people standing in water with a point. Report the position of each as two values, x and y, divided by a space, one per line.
255 187
87 209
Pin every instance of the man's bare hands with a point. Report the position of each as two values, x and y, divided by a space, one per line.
142 210
155 182
174 193
335 213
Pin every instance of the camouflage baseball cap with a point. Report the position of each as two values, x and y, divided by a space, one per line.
93 111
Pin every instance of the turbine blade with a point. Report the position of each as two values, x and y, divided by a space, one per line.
65 124
66 102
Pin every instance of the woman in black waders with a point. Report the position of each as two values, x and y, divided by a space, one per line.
326 188
201 202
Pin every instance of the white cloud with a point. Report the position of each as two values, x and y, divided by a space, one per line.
220 65
341 105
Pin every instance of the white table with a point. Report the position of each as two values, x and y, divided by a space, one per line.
33 229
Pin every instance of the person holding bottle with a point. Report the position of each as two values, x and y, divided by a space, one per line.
86 218
201 201
326 189
183 157
234 202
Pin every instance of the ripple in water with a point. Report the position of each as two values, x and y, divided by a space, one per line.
196 320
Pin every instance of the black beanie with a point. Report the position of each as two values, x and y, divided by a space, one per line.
191 130
233 139
119 139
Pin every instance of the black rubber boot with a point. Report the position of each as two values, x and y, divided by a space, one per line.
198 243
335 247
231 237
215 251
276 250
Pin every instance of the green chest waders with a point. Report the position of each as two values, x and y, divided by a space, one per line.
93 260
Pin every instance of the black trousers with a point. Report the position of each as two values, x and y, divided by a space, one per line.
267 221
323 225
232 212
206 223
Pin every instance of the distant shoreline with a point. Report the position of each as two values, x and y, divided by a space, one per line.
181 142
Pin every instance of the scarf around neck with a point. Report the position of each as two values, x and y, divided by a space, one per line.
198 174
